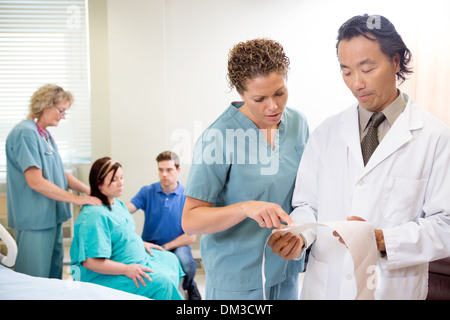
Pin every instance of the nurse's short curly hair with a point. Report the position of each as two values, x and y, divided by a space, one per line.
255 58
48 96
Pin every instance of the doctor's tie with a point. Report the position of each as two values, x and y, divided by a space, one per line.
370 141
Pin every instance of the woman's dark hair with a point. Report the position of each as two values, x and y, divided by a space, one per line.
99 171
383 31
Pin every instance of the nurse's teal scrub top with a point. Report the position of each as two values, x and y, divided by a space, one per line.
29 209
101 233
233 162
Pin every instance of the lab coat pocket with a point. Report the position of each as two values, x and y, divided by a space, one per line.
402 199
411 287
315 280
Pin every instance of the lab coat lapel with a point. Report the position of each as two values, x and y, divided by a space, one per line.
349 127
397 136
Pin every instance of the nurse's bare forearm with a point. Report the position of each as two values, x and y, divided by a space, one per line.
200 217
38 183
76 184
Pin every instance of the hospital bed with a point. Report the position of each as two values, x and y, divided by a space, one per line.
18 286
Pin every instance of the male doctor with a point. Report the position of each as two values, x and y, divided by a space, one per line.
383 160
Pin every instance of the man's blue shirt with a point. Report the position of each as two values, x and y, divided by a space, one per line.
162 212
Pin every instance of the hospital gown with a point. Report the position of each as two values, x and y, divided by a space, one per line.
101 233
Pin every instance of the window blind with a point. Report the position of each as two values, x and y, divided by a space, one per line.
45 42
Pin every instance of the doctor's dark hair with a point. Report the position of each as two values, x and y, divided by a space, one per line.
255 58
97 175
378 28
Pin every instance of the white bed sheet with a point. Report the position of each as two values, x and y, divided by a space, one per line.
18 286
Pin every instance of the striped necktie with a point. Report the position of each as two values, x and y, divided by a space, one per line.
370 141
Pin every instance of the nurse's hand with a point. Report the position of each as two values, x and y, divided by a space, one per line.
137 273
36 181
287 246
82 200
266 214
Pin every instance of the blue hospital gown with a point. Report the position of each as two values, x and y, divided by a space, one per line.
100 233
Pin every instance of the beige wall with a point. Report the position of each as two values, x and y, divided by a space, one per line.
99 68
127 102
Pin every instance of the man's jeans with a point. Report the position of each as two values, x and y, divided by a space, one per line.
188 264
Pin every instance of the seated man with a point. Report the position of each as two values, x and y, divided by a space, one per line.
163 204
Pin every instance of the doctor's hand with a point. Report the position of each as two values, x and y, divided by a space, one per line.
266 214
379 236
352 218
287 246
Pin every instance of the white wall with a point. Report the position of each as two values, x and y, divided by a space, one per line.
166 66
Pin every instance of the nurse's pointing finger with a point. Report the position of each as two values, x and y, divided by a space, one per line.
284 217
274 215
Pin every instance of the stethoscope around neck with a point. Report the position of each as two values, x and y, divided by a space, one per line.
44 136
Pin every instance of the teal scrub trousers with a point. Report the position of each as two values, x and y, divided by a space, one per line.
40 252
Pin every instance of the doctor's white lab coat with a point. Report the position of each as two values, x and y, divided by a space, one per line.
404 190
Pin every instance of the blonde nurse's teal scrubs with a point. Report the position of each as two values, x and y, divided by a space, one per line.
233 162
35 218
101 233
